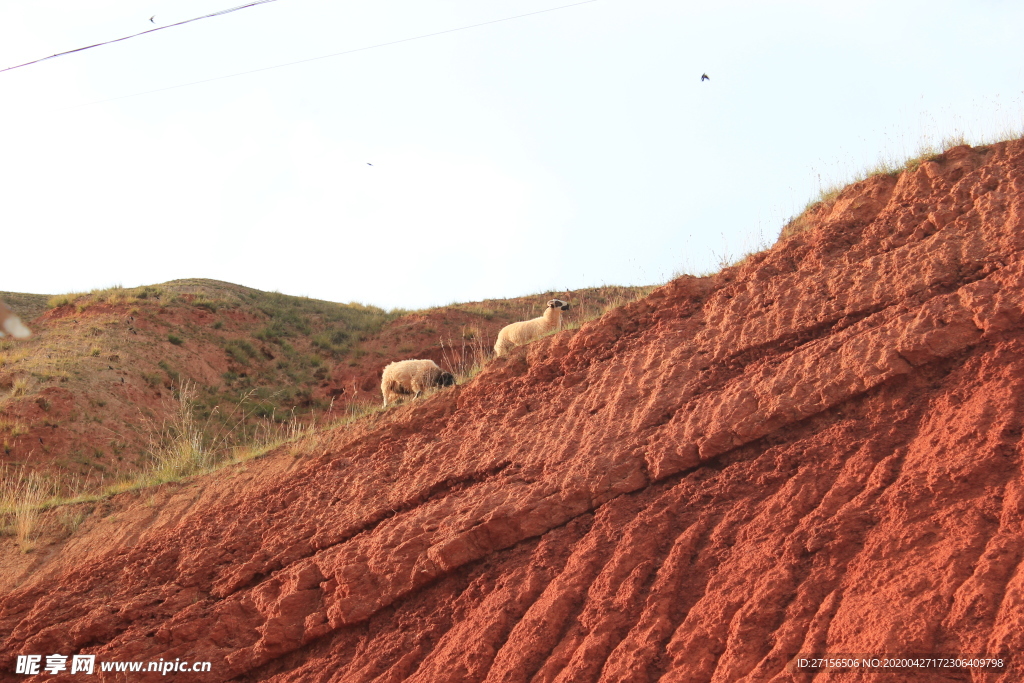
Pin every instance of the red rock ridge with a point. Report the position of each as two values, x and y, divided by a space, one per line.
815 451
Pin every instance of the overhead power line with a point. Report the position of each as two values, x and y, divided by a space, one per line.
140 33
264 2
335 54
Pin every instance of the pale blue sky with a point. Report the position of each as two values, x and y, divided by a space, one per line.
563 150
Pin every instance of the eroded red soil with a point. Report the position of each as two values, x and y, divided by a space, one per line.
87 398
815 451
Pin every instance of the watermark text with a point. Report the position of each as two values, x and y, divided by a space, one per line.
31 665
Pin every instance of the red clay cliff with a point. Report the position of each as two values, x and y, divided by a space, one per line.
815 451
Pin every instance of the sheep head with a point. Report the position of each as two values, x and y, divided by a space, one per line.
558 303
445 379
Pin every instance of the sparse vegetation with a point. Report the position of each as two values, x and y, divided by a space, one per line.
484 312
266 400
59 300
466 360
186 446
172 374
70 519
20 386
240 351
28 306
13 427
21 501
886 166
590 306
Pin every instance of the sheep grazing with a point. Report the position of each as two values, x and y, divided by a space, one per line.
11 324
406 377
526 331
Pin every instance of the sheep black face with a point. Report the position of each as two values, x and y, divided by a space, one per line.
446 379
558 303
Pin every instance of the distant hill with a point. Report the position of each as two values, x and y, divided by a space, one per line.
28 306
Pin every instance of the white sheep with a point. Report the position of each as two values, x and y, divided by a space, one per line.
405 377
11 324
526 331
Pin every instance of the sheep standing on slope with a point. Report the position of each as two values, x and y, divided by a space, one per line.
525 332
405 377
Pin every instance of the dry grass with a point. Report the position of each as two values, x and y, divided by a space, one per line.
888 166
14 427
589 307
112 295
20 386
21 501
10 356
183 447
70 518
180 449
187 446
467 356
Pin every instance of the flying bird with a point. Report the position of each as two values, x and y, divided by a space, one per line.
704 77
369 164
152 18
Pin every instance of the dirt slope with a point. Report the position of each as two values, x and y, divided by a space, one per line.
815 451
88 394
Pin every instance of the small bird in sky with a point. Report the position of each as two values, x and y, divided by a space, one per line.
152 18
369 164
704 77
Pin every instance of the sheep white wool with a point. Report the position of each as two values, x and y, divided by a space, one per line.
412 377
11 324
526 331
